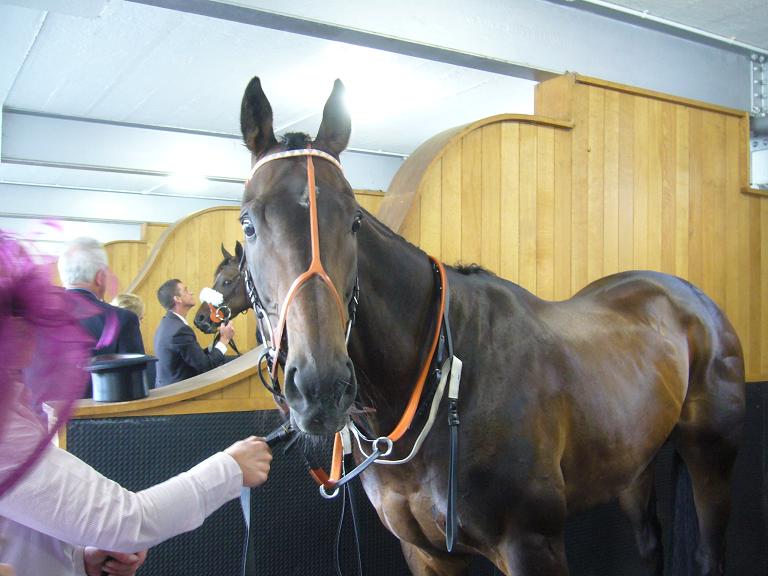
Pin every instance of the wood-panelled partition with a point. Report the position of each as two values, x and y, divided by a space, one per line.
603 178
126 257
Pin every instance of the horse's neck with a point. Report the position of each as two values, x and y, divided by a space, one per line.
395 326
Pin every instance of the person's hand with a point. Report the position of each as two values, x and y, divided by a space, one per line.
6 570
254 458
226 332
98 562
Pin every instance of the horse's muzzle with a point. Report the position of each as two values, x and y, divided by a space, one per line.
204 324
319 406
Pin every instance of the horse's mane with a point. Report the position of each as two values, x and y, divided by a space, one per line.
468 269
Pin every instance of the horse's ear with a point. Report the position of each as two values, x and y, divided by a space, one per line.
256 119
336 125
227 255
238 251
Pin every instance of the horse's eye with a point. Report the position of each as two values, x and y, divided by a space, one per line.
356 222
248 229
227 283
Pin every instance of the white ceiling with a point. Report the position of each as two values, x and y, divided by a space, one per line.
742 20
128 68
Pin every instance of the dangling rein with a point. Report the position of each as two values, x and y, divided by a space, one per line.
448 364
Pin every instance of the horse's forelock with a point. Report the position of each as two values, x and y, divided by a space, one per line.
222 264
295 140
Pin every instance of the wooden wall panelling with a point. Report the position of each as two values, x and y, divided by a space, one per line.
626 216
545 212
471 197
151 232
668 181
682 187
490 254
125 259
695 198
579 190
595 182
562 216
643 180
509 235
450 210
369 199
654 186
528 189
611 183
431 213
640 186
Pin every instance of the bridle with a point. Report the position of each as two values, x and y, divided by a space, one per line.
273 339
221 312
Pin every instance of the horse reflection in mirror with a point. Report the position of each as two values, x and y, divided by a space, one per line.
562 405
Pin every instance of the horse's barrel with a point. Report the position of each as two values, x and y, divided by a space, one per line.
120 377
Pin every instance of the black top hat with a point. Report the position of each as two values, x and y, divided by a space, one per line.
119 377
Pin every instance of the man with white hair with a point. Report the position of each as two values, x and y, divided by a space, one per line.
84 270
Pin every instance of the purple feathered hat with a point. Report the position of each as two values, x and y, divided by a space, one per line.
44 350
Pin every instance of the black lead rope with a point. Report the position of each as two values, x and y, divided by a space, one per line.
248 565
231 344
349 493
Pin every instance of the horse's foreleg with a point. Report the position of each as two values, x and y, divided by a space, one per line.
530 554
533 544
639 504
433 563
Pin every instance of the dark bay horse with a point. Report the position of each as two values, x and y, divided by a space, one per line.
229 283
562 405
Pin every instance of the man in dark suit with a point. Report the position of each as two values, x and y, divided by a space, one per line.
84 270
179 355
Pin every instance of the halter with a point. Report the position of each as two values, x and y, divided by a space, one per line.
219 313
219 310
273 340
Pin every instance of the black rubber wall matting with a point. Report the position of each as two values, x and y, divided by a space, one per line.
294 529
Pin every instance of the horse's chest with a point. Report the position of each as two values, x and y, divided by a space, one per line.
413 511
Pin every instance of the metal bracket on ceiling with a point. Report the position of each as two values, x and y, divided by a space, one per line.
758 82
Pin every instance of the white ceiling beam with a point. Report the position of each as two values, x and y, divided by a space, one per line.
66 142
318 28
525 38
